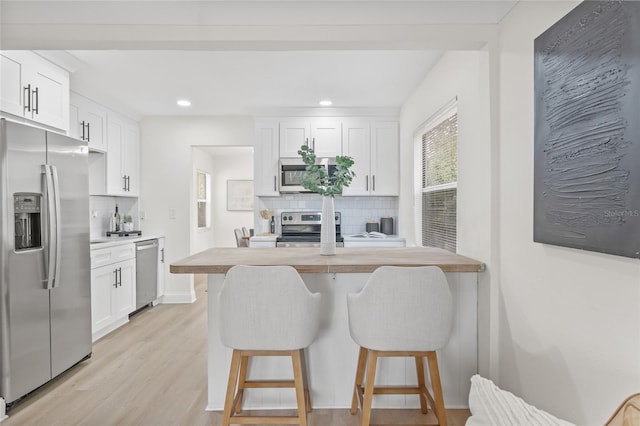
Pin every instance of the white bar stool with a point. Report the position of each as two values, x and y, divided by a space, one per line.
401 311
266 311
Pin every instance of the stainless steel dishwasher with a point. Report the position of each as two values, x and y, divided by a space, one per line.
146 272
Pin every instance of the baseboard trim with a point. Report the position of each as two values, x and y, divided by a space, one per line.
179 297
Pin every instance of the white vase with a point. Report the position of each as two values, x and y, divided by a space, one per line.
328 228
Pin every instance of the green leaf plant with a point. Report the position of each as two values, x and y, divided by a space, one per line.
317 178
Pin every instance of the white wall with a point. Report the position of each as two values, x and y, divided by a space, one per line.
236 166
569 320
165 162
465 75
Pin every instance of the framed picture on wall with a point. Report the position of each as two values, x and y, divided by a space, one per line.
239 195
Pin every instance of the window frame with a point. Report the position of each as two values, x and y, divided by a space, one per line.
444 113
206 200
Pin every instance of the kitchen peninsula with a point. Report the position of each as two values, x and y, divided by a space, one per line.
331 359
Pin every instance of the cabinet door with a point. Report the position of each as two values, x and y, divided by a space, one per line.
130 158
50 95
161 267
103 285
34 88
88 122
11 87
125 293
75 126
293 134
265 158
94 118
356 144
385 158
326 137
116 182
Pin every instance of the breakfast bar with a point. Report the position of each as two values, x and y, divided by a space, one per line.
332 358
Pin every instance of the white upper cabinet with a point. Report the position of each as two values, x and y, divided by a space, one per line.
356 142
88 122
265 158
122 156
324 135
33 88
385 158
374 146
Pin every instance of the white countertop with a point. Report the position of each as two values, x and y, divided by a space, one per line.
264 237
390 238
104 242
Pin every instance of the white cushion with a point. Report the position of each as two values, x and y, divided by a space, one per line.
492 406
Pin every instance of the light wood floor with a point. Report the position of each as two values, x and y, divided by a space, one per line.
153 371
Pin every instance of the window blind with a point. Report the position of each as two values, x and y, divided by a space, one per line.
439 184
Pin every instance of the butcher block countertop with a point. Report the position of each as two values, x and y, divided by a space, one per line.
309 260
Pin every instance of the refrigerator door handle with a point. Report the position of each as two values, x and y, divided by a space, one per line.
50 245
58 226
53 249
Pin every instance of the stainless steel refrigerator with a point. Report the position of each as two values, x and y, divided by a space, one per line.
45 288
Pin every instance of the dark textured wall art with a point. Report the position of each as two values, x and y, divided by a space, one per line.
587 130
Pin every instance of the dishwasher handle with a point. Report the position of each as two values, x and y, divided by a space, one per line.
140 247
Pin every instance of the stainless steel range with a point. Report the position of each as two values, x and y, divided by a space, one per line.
302 229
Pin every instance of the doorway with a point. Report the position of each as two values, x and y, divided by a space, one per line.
215 171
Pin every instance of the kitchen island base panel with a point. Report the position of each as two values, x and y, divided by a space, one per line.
332 358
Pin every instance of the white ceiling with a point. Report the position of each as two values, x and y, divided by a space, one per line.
244 57
220 83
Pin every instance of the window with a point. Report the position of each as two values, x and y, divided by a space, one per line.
203 200
437 142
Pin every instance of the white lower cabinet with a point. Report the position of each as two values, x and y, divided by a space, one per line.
161 269
113 288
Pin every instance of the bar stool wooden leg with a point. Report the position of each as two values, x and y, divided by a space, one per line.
437 388
242 380
421 384
231 387
372 362
305 378
297 378
357 387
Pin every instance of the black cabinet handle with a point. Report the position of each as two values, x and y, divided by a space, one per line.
162 255
37 100
124 179
374 183
120 277
275 179
88 131
367 183
115 284
82 124
27 97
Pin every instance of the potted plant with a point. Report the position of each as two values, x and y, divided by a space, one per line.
127 223
318 180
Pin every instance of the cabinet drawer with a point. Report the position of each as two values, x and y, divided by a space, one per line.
106 256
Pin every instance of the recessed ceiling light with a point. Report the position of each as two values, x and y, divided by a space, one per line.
183 102
326 103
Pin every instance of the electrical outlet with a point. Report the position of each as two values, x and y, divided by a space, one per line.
94 213
141 214
172 213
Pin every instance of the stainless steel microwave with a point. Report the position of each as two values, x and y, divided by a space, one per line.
293 170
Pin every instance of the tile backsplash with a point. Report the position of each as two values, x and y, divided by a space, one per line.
101 208
355 211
